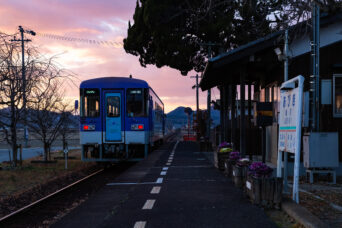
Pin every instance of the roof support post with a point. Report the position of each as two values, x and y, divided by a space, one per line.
226 112
222 105
249 104
233 115
242 115
249 115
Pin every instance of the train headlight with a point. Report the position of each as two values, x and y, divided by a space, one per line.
89 127
137 127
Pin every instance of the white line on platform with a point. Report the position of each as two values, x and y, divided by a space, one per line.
155 190
168 163
149 204
169 160
159 180
140 224
163 173
174 148
112 184
165 168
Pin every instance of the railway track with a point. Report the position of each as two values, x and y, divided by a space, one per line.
50 208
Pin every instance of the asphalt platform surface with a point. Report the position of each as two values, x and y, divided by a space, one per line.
177 186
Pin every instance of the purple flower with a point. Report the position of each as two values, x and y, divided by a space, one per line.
243 162
259 169
234 156
224 144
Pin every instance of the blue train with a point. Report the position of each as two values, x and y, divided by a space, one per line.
120 119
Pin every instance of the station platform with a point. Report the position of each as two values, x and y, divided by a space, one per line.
176 186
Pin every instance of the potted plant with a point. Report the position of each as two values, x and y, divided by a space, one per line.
230 162
240 170
261 187
222 154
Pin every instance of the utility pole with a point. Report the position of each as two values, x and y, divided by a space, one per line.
197 102
22 40
314 79
210 44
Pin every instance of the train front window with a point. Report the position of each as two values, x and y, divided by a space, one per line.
90 103
136 103
113 106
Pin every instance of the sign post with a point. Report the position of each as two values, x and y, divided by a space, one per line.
290 120
66 151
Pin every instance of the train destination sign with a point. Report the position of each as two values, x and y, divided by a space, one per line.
91 92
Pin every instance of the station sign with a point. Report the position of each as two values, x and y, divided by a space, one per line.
288 120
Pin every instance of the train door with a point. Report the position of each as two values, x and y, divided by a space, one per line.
113 116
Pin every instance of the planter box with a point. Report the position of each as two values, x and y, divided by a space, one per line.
239 174
266 192
228 167
221 157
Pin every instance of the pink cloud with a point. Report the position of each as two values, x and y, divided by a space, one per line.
101 20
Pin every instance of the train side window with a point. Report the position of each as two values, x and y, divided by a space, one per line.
113 106
136 99
90 103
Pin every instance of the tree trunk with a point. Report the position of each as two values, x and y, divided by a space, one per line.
14 134
46 151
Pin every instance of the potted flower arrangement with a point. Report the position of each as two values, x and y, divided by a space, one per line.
222 154
240 170
261 187
233 157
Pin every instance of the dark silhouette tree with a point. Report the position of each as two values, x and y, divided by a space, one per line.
174 33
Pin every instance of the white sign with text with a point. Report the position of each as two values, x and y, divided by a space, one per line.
288 118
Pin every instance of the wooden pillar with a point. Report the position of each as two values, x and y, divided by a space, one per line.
226 115
249 104
222 127
242 115
233 117
250 124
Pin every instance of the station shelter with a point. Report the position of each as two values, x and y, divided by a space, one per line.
255 71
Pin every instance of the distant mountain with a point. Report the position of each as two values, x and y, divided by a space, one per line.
179 118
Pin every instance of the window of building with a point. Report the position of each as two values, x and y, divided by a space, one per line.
337 95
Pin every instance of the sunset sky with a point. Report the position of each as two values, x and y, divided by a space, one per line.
100 20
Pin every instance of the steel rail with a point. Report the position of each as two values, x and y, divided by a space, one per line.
48 196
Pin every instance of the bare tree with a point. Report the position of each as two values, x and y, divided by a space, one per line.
47 112
69 122
41 89
11 87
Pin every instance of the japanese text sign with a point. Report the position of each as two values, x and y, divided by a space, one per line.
288 118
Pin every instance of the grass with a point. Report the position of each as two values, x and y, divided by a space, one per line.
283 220
18 180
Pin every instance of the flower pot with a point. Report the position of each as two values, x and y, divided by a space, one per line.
221 157
265 191
228 167
238 176
253 189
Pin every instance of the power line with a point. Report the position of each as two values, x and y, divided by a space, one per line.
81 40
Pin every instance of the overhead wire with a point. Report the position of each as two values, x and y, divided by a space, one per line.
109 43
